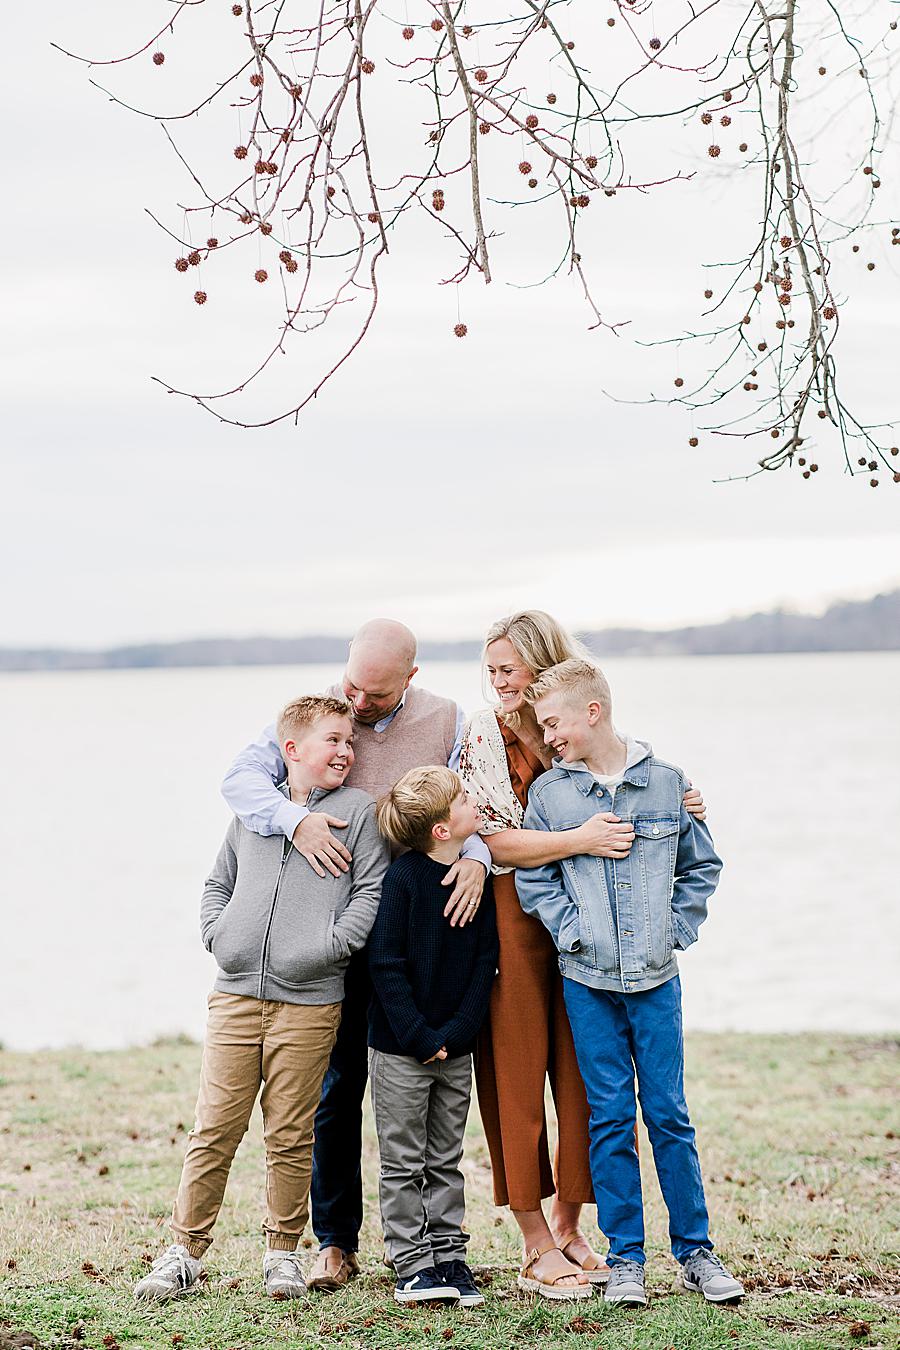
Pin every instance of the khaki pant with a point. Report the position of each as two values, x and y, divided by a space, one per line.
286 1048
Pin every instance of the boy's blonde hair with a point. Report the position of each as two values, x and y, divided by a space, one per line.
416 803
299 715
540 642
581 679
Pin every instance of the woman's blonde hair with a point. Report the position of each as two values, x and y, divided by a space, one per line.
415 804
540 643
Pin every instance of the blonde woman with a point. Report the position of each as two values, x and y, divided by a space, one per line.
527 1039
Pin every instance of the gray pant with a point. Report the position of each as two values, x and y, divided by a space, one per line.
420 1118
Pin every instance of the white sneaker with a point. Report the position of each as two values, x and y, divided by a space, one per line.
283 1275
173 1274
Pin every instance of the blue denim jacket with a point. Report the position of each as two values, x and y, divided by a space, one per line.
618 922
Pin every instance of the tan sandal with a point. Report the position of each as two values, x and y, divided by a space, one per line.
597 1271
528 1281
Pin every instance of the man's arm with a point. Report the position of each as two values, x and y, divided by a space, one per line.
697 868
453 761
219 886
541 890
466 881
249 788
387 964
371 857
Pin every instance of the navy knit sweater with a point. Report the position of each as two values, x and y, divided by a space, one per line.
432 982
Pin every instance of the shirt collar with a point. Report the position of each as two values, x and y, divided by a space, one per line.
383 723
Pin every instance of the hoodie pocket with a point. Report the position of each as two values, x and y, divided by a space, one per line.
301 947
236 939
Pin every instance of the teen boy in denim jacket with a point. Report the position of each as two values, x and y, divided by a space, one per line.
617 925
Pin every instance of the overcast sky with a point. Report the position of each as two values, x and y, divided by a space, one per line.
440 481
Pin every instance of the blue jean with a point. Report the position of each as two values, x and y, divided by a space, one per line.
617 1036
336 1192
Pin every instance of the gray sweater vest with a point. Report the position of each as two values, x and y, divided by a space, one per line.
422 732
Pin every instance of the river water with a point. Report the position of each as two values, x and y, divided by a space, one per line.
110 817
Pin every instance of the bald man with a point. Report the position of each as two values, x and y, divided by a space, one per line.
397 726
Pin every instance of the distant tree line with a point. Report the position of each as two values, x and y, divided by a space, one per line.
851 626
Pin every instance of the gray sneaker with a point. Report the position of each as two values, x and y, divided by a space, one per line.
705 1274
173 1274
283 1275
625 1284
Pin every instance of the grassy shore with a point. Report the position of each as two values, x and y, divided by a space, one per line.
798 1136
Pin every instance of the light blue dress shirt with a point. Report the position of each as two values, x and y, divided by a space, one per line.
250 787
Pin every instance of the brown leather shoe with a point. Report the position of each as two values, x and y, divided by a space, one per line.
332 1269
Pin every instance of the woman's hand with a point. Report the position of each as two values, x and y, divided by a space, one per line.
603 836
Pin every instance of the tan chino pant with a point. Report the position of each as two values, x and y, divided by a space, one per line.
285 1047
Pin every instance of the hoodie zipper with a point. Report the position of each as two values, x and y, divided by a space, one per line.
265 947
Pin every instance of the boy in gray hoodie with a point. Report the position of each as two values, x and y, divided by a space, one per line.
282 937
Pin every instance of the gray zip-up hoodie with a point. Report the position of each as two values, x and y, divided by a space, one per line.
277 930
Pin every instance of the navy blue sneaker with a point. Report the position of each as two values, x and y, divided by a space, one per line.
458 1274
426 1286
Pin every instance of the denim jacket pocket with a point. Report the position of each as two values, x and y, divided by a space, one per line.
656 846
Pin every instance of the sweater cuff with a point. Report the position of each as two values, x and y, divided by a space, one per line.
287 817
683 935
425 1044
476 849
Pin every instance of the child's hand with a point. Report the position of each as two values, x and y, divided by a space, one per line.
694 803
604 836
441 1054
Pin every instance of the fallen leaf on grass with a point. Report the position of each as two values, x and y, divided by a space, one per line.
584 1326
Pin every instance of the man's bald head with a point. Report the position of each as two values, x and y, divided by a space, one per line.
381 663
393 640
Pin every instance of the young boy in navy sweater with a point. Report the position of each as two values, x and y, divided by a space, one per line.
432 983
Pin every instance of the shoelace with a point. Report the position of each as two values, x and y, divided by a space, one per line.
171 1260
707 1258
288 1266
627 1270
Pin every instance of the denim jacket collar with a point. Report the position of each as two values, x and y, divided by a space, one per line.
638 775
